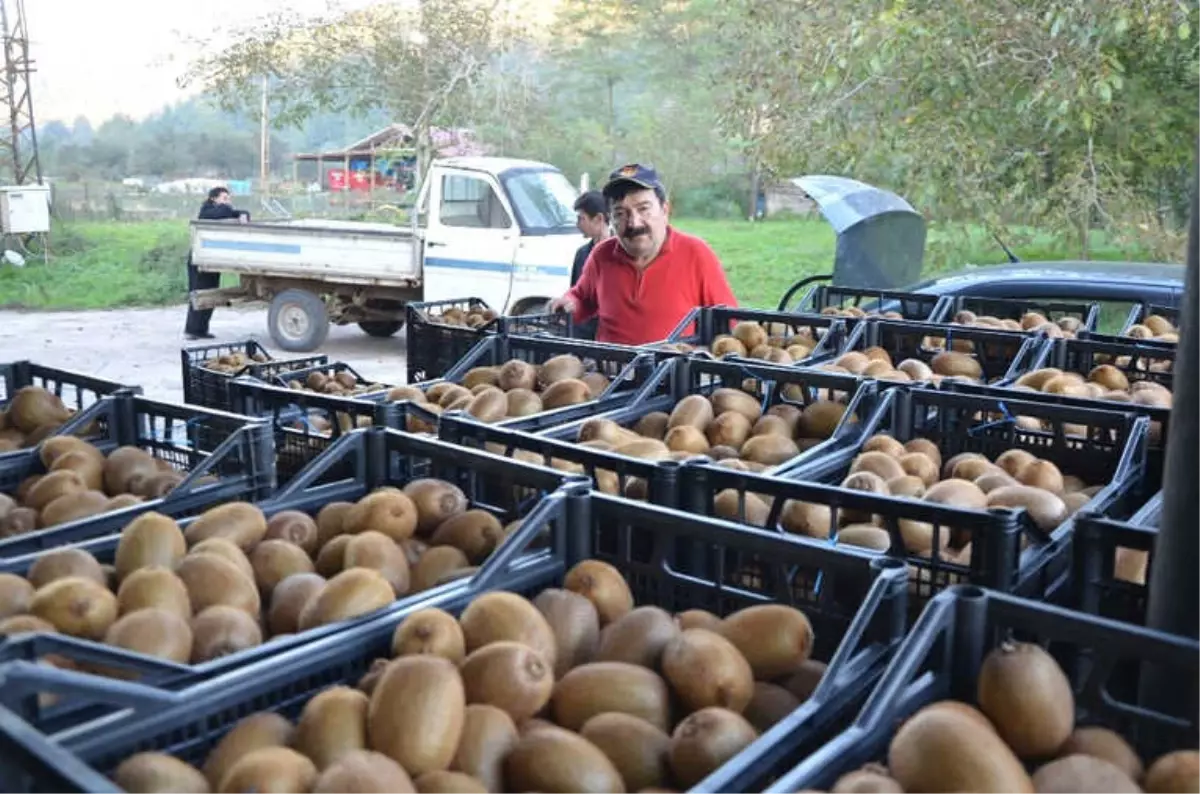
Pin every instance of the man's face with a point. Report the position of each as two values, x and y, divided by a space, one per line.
591 226
222 198
640 220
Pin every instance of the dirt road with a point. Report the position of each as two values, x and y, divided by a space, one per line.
141 346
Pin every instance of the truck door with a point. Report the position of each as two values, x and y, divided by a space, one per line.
470 238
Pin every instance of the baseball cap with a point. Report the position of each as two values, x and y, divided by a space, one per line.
640 175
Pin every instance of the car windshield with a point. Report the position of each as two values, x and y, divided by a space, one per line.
543 201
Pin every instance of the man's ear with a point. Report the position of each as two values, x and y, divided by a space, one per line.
667 208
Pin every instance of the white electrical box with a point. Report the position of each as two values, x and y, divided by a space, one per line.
25 209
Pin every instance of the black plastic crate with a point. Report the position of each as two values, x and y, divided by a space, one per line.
374 458
365 387
628 370
1081 356
941 658
1139 313
209 388
682 377
999 354
1085 314
1008 552
704 325
856 636
235 450
434 345
1111 562
852 303
76 390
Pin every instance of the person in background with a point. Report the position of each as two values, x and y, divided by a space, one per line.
591 218
217 207
641 282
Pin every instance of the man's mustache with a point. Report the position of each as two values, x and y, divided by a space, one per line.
635 232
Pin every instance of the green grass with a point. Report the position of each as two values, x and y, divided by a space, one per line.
116 264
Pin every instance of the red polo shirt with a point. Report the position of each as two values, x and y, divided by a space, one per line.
636 307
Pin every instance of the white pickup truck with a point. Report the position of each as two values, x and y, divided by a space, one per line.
494 228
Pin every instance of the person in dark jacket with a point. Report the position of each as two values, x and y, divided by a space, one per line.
591 218
217 207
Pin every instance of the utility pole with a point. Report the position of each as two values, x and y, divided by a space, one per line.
18 147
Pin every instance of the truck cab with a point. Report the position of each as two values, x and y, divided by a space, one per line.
495 228
499 229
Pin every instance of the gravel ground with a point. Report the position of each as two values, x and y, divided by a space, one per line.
141 346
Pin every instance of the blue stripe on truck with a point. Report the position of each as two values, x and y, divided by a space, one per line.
242 245
492 267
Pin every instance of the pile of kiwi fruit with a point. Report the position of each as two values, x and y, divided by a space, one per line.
1155 327
1020 734
774 343
915 470
876 362
233 578
468 318
576 689
33 414
513 389
229 363
80 481
1065 327
1102 382
857 313
335 383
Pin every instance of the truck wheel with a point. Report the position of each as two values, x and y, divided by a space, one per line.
298 320
381 328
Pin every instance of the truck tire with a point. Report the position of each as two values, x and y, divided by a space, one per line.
381 328
298 321
530 306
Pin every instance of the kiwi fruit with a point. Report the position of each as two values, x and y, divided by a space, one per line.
705 669
487 736
212 580
1082 773
775 639
62 563
948 729
18 521
154 587
517 374
429 631
575 624
270 769
332 724
353 592
1028 698
416 713
21 624
331 521
1106 744
387 510
154 632
222 630
52 486
603 585
704 740
871 779
436 501
376 550
228 550
1175 771
288 600
295 527
159 773
239 522
499 615
635 747
73 507
652 425
77 606
552 759
638 637
475 532
599 687
363 772
332 555
150 539
443 780
769 704
436 563
255 732
275 560
16 593
510 676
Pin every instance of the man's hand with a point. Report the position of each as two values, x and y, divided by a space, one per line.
566 304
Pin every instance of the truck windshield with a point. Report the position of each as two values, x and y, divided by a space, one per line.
543 201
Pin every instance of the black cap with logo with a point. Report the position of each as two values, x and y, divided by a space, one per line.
641 175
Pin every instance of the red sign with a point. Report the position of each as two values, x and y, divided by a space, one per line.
337 179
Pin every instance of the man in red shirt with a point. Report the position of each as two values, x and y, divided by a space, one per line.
641 282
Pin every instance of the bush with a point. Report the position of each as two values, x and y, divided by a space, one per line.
721 199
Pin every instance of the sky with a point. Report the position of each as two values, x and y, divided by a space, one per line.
97 59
